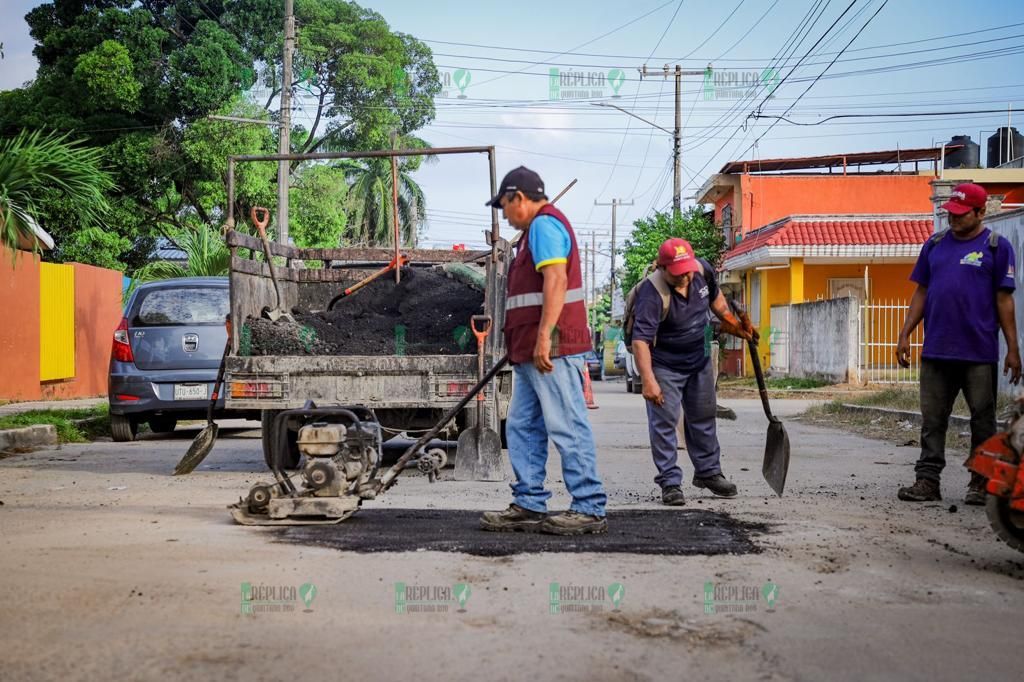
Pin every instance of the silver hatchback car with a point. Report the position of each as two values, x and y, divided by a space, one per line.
165 354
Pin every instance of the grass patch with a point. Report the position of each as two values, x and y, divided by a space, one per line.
68 423
775 383
895 431
909 399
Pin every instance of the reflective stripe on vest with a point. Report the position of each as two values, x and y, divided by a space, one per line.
537 299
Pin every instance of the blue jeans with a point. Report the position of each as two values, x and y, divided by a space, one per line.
552 406
693 394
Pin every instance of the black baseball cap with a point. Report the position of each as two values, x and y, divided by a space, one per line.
520 179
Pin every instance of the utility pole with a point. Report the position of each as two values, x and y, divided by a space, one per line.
615 203
285 146
586 264
593 268
677 134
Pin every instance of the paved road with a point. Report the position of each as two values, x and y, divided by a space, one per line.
113 569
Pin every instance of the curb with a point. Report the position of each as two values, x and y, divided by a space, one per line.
913 417
28 437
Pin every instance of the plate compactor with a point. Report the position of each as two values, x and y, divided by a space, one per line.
999 460
343 452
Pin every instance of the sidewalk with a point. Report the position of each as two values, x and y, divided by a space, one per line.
18 408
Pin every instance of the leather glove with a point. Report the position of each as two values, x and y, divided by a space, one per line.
741 328
748 327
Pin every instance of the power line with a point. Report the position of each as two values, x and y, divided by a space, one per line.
703 60
594 40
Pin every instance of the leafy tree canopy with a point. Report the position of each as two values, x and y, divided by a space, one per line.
137 79
641 249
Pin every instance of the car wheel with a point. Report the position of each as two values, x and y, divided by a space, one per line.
162 424
629 385
292 456
122 428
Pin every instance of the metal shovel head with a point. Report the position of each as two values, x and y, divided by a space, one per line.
478 457
197 452
776 456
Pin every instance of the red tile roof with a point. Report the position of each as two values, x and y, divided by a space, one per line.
815 230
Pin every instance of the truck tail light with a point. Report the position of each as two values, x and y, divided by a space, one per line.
121 350
256 389
459 388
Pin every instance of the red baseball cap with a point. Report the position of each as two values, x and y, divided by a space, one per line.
966 197
677 257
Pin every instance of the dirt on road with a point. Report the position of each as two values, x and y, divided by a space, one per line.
115 569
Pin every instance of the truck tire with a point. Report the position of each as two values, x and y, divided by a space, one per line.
162 424
122 428
292 456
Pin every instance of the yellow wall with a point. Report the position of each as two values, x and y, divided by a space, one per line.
888 283
56 321
891 281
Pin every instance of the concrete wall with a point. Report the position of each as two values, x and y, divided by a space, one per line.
823 339
1010 224
19 335
97 308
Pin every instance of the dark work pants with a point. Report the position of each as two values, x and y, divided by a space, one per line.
694 395
941 382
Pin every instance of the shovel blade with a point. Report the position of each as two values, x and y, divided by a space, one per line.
478 457
776 457
198 450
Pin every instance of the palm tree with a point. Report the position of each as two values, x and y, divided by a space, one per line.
371 206
31 162
208 256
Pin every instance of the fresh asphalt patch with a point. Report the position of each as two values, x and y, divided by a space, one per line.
670 532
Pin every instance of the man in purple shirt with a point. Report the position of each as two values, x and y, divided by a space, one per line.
965 283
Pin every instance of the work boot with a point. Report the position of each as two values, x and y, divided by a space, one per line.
574 523
923 490
718 484
672 495
512 519
976 490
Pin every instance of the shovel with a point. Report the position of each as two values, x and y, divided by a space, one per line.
398 262
277 313
776 447
478 457
203 443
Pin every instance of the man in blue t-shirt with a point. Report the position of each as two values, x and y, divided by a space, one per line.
672 350
965 283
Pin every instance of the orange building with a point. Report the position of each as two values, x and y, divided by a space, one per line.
809 228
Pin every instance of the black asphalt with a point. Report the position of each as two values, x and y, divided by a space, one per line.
672 532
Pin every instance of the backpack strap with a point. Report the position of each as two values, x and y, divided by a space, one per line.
993 238
664 290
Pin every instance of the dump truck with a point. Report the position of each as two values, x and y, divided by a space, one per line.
407 393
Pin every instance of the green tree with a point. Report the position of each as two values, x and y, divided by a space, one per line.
371 203
208 256
33 164
318 196
137 79
641 249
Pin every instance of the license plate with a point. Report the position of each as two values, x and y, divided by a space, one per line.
190 392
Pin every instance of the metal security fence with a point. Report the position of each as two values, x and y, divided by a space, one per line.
880 324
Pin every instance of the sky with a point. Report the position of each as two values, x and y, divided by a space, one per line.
912 56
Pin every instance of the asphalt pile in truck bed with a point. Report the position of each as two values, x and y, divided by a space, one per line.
426 314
